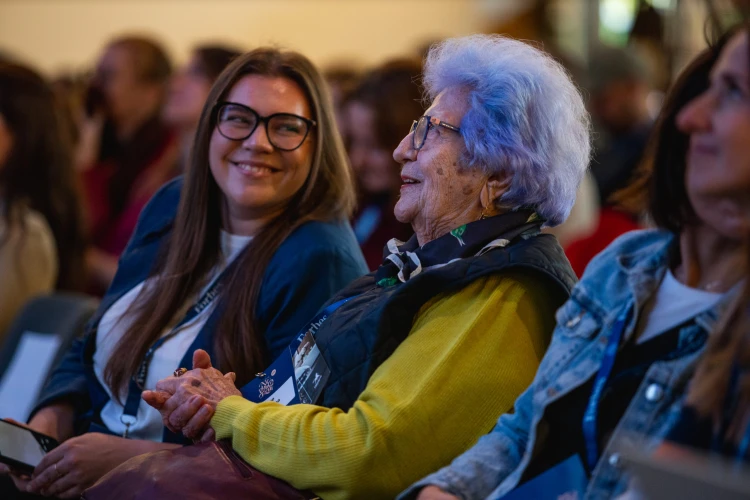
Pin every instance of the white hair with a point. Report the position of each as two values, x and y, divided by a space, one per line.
525 117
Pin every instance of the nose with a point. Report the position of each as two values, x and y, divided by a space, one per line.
695 116
258 140
404 152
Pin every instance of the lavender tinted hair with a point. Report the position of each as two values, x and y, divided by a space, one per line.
525 117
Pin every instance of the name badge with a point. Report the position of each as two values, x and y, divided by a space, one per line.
565 481
298 375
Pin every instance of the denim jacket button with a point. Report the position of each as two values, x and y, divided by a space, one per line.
574 321
654 393
614 460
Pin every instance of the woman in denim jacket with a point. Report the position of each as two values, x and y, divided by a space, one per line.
662 290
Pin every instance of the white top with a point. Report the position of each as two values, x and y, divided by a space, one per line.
166 359
672 304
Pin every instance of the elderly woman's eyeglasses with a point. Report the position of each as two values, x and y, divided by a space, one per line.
285 131
420 128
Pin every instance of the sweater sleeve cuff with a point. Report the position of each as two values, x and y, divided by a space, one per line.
227 412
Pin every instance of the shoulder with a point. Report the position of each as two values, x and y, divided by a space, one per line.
492 290
607 281
640 244
160 211
166 197
32 245
35 237
317 238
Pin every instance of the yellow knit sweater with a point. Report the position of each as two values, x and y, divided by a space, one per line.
467 358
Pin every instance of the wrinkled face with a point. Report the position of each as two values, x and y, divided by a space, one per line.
125 93
257 179
188 91
6 141
717 177
439 192
373 164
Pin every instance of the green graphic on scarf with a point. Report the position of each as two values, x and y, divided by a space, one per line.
387 282
458 232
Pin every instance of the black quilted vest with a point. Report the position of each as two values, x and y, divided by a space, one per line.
365 331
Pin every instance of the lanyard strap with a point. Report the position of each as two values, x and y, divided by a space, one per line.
605 371
138 381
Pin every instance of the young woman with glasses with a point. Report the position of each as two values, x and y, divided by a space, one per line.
234 259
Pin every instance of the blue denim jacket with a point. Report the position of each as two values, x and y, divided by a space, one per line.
314 262
626 274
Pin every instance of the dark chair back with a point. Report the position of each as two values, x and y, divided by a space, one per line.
35 343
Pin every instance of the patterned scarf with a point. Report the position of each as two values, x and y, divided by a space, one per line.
403 261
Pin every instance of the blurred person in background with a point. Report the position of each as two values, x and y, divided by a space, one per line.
342 79
619 84
619 87
188 90
375 113
42 239
233 260
629 339
125 151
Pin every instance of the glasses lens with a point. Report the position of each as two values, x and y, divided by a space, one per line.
287 131
235 122
420 132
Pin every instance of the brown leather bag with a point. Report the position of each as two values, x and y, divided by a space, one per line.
201 471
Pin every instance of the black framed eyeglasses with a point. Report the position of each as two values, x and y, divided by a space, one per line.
285 131
420 128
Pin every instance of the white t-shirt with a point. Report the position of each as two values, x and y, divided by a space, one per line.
672 304
166 359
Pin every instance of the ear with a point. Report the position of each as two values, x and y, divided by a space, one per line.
496 186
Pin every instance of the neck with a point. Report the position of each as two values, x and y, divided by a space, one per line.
710 261
428 230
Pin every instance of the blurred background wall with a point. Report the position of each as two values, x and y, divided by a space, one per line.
68 34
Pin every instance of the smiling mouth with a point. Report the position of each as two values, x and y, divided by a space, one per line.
408 181
254 169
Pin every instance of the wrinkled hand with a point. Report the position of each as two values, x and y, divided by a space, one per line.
66 471
187 403
435 493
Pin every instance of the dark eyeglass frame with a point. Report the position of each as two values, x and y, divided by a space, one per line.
261 119
418 142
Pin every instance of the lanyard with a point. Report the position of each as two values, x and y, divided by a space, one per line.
605 370
138 381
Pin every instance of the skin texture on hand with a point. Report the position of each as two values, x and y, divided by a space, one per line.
79 462
187 403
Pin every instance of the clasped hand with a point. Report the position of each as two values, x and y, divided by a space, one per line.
187 403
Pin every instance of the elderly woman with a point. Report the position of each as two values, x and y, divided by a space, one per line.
443 337
630 338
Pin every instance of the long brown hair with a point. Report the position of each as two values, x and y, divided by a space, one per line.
39 172
728 349
193 249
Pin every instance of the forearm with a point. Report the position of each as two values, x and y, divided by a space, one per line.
56 420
